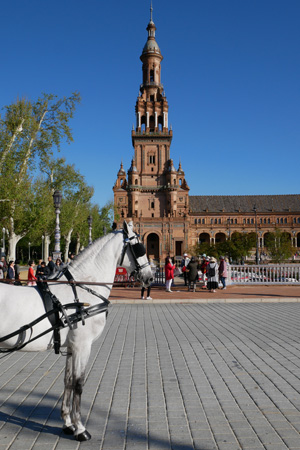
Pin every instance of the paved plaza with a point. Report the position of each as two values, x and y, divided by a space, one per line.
168 376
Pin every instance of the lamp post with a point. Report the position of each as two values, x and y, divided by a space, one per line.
257 253
57 197
43 239
90 222
3 240
29 244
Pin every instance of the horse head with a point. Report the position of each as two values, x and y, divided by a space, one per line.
134 255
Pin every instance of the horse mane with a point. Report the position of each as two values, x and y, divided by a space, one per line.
90 250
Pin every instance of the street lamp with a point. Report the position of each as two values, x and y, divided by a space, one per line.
43 238
257 253
29 244
90 221
57 197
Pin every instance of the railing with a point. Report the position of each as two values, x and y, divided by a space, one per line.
264 274
159 276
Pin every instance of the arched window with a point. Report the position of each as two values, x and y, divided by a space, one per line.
151 75
152 123
160 123
152 205
136 181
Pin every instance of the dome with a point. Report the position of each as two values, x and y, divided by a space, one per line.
151 46
121 171
132 167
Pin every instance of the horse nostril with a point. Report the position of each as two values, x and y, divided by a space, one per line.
151 280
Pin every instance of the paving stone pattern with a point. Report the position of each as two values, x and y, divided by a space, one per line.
168 377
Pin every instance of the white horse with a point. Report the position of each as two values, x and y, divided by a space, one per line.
22 305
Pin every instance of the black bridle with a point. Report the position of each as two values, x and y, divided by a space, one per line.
137 251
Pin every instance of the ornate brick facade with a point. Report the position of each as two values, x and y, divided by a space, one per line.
155 195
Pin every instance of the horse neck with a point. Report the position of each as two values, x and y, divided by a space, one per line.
98 261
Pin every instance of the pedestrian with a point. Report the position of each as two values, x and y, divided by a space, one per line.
223 271
1 271
11 271
203 268
153 268
169 273
42 272
192 273
212 275
4 266
31 276
58 266
17 272
184 262
39 265
51 264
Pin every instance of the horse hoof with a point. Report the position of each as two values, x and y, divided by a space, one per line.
69 430
85 436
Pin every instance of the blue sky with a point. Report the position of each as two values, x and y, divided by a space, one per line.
231 74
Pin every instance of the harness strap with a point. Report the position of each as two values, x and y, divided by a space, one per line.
62 323
72 282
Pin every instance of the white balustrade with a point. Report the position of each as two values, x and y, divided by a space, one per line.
264 274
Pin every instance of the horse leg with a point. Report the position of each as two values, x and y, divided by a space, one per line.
80 360
68 427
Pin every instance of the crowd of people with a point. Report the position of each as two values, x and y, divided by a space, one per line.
211 272
11 270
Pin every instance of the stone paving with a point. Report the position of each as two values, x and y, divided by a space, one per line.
168 377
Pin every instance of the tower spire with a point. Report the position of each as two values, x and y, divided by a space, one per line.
151 12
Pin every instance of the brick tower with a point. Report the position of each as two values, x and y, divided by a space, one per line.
155 195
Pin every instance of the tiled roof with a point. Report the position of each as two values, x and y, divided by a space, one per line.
244 203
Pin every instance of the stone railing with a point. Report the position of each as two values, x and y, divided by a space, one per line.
264 274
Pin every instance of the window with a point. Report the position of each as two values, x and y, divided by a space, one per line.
152 205
285 220
151 75
152 159
203 220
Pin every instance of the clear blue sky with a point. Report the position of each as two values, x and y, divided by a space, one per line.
231 73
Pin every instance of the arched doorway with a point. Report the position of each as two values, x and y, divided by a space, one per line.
153 246
220 237
204 237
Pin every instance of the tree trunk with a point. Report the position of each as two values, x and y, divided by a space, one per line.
13 239
46 247
77 245
67 242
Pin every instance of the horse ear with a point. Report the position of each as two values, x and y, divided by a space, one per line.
127 227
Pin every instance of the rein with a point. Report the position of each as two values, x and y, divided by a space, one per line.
137 251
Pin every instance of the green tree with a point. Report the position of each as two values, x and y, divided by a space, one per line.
279 246
29 133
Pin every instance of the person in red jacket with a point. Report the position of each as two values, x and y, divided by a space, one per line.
31 276
169 272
